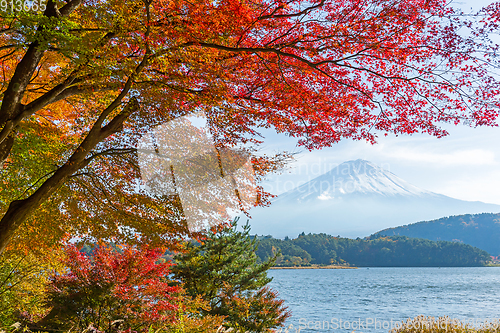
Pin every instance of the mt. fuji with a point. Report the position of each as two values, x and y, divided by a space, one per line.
355 199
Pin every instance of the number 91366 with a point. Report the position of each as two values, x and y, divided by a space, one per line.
22 5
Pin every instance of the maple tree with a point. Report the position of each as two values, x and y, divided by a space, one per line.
129 286
82 81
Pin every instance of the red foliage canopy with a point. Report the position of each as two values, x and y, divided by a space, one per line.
108 285
84 80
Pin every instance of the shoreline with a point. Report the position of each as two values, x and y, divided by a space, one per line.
314 267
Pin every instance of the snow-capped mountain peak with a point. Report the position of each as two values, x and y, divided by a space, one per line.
354 177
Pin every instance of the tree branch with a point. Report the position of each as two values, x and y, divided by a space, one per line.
301 13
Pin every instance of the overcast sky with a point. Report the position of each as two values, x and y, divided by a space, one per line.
465 165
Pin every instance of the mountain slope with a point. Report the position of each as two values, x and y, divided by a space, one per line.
351 178
480 230
355 199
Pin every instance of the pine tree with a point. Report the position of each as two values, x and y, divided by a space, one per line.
224 270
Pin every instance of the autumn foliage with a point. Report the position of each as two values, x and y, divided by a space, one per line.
128 285
125 289
23 280
84 80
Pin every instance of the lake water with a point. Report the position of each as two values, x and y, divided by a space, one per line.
338 300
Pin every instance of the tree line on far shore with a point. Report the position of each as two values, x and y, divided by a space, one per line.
382 251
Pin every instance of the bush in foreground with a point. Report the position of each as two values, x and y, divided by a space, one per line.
215 286
121 291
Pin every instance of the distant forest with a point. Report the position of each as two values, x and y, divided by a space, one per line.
479 230
375 251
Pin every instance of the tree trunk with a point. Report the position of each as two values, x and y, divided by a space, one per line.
5 148
20 210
